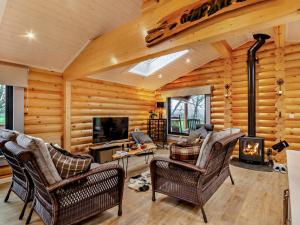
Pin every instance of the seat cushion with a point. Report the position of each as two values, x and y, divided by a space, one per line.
187 153
210 141
68 165
42 156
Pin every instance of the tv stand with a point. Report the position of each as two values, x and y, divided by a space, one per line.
95 149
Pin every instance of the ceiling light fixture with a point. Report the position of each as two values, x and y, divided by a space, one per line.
188 60
30 35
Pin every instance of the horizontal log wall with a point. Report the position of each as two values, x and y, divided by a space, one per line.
273 112
292 96
90 98
44 106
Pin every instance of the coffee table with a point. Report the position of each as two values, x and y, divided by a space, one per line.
149 150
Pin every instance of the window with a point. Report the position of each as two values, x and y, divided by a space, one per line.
148 67
185 113
2 105
6 106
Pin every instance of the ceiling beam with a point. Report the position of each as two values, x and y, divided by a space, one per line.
223 48
126 45
279 35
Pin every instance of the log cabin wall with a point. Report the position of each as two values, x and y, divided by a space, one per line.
44 98
273 111
90 98
44 106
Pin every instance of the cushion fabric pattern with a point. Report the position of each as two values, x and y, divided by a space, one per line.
39 149
68 165
209 141
188 154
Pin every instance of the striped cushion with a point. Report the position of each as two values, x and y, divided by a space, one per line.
68 165
188 154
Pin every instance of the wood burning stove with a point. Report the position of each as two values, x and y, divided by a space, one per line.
252 147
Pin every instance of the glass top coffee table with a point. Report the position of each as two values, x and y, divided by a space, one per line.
127 153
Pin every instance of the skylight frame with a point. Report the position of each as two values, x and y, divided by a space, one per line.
150 66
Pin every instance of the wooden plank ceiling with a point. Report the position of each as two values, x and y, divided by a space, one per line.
107 51
62 28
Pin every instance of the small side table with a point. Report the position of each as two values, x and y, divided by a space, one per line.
137 153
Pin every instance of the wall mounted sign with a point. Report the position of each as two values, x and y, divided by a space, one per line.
192 15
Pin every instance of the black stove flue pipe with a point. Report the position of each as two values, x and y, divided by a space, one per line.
260 41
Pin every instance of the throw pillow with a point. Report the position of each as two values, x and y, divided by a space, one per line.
199 133
39 149
188 154
203 132
76 155
143 138
68 165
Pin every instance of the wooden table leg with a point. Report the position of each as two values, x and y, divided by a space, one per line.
126 167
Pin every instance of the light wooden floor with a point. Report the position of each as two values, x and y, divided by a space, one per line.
256 199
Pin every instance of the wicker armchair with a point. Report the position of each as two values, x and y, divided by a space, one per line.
21 184
74 199
192 183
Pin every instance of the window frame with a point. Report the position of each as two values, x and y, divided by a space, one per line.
9 107
206 116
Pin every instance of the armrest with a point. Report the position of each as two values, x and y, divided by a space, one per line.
82 176
177 163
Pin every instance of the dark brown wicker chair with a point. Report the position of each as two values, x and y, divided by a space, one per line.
189 182
21 184
74 199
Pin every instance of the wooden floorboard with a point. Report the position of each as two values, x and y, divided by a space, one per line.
256 199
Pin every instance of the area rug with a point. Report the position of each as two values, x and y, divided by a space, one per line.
262 168
141 182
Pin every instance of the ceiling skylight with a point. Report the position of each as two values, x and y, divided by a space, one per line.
150 66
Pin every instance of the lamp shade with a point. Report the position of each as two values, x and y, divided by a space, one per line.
160 105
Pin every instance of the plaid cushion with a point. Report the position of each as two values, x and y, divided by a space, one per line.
67 164
188 153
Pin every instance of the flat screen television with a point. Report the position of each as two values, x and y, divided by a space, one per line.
108 129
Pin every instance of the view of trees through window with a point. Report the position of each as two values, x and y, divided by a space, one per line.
185 113
2 106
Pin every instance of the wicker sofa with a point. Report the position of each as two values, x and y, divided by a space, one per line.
194 183
72 200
